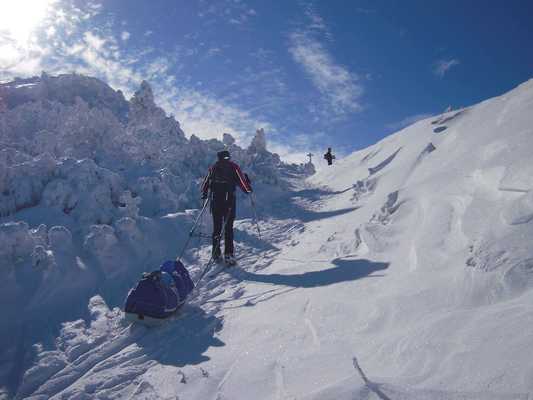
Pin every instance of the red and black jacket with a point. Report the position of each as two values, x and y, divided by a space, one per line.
225 176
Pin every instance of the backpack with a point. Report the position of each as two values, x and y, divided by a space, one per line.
223 177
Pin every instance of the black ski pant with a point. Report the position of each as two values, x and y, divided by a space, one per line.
223 210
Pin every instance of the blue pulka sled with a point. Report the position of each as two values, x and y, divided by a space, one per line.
158 294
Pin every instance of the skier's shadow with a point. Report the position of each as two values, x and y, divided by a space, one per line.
305 215
184 340
345 270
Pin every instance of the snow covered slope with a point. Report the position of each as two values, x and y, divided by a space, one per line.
404 271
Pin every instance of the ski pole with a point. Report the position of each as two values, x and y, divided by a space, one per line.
252 201
191 232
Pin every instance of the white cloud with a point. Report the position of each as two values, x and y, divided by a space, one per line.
79 46
315 21
396 126
8 54
94 7
233 12
125 35
94 41
441 67
338 86
213 51
207 117
199 113
157 68
50 31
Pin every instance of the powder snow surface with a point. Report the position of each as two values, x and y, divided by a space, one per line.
404 271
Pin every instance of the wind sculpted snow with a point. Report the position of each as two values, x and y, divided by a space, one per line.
409 282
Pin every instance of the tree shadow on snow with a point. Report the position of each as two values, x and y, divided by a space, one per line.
314 194
306 215
290 205
343 271
184 340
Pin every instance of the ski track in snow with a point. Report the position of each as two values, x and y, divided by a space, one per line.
281 393
224 379
310 325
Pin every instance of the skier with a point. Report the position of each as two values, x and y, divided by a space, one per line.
329 157
220 182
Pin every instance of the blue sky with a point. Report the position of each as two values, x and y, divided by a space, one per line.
313 74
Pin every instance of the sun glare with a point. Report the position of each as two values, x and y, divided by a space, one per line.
20 18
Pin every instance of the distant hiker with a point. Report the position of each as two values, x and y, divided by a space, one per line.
220 183
329 157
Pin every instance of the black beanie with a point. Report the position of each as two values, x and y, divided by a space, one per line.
223 155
